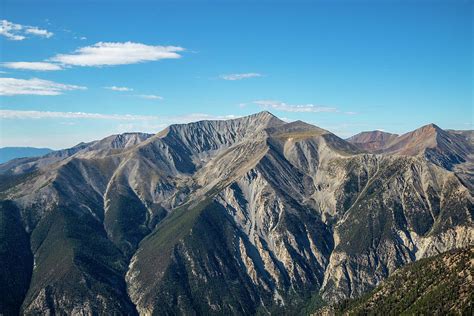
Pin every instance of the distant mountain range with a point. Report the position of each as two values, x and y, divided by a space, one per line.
446 148
245 216
9 153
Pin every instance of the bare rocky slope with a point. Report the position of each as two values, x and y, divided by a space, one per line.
245 216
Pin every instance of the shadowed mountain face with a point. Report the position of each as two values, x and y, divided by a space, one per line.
252 215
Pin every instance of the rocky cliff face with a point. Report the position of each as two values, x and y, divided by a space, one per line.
241 216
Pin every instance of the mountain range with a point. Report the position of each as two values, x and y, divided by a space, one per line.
246 216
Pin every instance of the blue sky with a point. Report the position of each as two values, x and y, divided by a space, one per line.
75 71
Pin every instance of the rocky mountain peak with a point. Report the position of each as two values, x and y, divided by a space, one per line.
372 136
425 132
416 142
214 134
120 141
372 141
296 129
245 124
264 115
431 126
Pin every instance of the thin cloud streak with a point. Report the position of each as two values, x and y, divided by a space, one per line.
92 122
178 119
233 77
194 117
34 86
36 66
149 96
38 32
284 107
115 88
16 114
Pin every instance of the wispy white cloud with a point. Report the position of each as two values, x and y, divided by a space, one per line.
140 126
17 114
34 86
154 126
115 88
149 96
282 106
233 77
11 30
18 32
109 54
38 32
37 66
96 125
343 130
100 54
166 120
142 96
193 117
